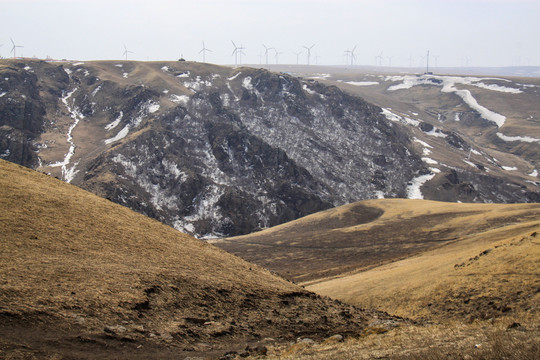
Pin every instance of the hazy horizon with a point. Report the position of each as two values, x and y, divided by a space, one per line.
472 33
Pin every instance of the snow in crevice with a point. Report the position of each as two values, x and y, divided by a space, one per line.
2 94
115 123
234 76
147 108
509 168
179 99
362 83
413 189
96 90
68 173
534 173
397 118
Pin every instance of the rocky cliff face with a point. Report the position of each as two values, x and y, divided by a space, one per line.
213 151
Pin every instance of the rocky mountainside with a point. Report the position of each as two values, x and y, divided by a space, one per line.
216 151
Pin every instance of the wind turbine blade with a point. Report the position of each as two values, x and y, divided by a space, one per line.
13 42
234 44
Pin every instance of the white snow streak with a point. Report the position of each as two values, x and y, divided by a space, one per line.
448 86
120 135
362 83
179 99
509 168
234 76
69 173
413 190
534 173
527 139
115 122
2 94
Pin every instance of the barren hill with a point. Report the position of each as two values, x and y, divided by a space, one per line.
217 151
83 277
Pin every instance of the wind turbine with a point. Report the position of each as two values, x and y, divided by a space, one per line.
297 55
379 59
277 56
350 53
126 52
309 52
203 51
237 51
14 48
266 49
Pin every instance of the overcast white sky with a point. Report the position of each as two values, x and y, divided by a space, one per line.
457 32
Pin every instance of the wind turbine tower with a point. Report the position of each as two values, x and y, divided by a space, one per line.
309 52
14 48
126 52
427 62
237 51
297 55
266 49
203 51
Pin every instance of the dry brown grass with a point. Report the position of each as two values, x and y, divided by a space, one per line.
83 277
369 233
453 340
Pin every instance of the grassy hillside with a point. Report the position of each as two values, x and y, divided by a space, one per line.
370 233
85 278
467 273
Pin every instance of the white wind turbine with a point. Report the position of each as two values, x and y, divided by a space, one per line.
203 51
14 48
237 51
350 54
266 49
309 52
297 55
277 56
126 52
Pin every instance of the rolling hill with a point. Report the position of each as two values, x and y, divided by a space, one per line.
467 273
83 277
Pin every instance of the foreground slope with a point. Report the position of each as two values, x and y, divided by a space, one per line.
84 277
369 233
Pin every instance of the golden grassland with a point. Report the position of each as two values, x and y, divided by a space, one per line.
473 296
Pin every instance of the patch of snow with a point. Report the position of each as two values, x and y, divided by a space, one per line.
2 94
413 190
534 173
469 163
499 88
526 139
435 170
179 99
165 91
125 75
78 64
423 143
27 68
363 83
120 135
96 90
165 68
183 75
115 123
397 118
153 107
234 76
456 117
119 65
68 71
246 83
308 90
379 194
436 132
509 168
429 161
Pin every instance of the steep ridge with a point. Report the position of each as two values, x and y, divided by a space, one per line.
83 277
369 233
216 151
